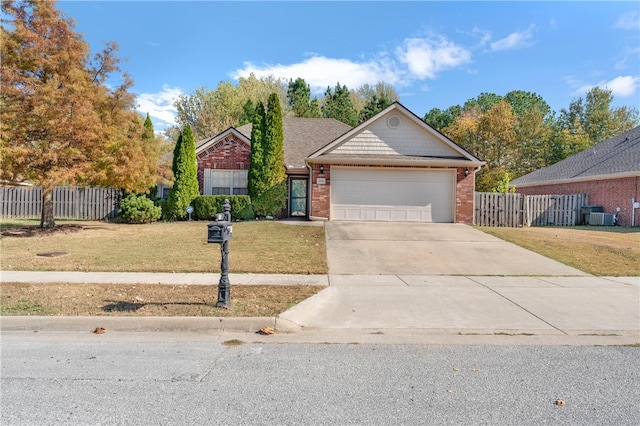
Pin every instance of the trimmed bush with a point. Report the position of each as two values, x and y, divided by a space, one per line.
246 213
272 202
206 207
139 209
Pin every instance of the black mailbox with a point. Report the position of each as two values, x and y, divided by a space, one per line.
219 231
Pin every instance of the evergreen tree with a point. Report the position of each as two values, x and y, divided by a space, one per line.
374 106
274 142
247 113
338 105
299 97
176 155
255 180
149 134
267 180
364 94
185 187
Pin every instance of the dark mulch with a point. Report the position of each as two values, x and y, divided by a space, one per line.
36 231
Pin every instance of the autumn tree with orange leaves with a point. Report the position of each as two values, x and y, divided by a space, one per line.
61 123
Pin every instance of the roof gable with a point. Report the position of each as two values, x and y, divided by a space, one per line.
615 157
395 131
203 145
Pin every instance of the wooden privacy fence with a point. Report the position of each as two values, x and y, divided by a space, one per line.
69 203
515 210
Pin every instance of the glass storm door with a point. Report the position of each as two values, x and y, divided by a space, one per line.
298 197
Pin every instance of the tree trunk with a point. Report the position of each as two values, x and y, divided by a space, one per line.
47 220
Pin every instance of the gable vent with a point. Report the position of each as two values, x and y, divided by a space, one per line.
393 122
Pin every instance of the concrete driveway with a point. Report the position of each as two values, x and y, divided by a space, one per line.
452 278
383 248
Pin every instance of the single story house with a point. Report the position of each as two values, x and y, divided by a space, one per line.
392 167
609 173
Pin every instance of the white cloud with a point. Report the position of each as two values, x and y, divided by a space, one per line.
321 72
426 57
621 86
160 106
628 21
484 35
416 58
515 40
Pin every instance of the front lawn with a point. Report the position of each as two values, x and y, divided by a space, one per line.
266 247
601 251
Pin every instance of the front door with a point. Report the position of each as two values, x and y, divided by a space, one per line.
298 197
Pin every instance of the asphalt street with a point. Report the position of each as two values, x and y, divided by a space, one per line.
205 383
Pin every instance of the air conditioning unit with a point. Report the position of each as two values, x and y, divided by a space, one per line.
602 219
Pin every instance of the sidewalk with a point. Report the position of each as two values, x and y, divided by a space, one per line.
364 308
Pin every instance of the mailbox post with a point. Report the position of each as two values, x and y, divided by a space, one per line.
220 232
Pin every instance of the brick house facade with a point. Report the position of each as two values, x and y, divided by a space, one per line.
609 173
392 167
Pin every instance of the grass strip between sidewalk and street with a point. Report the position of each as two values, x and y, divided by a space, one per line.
33 299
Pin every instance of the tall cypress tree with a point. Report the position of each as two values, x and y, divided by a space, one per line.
185 169
271 198
255 179
274 142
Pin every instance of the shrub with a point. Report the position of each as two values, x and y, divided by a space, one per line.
206 207
246 213
272 202
139 209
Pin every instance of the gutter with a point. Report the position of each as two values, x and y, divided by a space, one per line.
576 179
398 162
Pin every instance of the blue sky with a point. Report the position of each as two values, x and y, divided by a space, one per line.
435 54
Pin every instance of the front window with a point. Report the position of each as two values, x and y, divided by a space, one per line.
226 182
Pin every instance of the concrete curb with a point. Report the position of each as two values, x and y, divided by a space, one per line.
135 324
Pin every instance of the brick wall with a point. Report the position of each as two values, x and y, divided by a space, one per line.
610 194
465 188
465 196
229 153
321 194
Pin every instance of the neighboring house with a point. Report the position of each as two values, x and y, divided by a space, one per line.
609 173
393 167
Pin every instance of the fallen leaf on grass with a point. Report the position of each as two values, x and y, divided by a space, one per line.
99 330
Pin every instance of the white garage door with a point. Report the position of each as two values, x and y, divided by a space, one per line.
392 194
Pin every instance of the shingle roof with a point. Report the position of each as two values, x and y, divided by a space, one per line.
304 136
619 155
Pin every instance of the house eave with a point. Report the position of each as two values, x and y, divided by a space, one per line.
290 170
576 179
403 161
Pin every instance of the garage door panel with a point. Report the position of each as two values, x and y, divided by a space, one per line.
392 195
